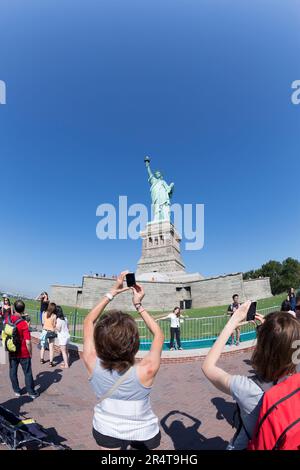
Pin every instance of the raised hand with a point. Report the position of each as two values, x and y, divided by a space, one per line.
259 317
118 288
137 294
240 314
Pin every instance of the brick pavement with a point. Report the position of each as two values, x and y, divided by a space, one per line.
193 414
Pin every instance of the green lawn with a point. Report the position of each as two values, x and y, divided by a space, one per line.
34 305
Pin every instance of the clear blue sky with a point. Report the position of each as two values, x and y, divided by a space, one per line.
202 86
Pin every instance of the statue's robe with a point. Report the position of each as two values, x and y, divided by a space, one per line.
160 195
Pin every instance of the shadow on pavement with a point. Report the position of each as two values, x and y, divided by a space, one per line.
225 409
187 437
45 379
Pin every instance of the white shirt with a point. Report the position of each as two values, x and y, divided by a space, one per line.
63 335
175 321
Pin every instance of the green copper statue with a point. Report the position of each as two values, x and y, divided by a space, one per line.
161 194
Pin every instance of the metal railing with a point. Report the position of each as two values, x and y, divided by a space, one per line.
192 329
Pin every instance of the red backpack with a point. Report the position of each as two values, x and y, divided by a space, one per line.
278 424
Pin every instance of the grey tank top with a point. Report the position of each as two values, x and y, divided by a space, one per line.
131 389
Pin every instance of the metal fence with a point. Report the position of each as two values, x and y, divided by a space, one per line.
191 328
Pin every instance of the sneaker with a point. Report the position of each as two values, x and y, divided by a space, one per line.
180 349
34 395
171 349
17 394
237 343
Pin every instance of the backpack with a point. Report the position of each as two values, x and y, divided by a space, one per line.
278 424
10 335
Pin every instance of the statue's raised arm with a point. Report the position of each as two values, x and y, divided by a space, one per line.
147 163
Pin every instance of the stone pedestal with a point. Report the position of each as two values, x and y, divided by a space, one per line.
161 249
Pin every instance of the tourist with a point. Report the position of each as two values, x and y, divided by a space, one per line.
44 299
297 310
6 310
292 298
176 318
23 354
48 334
286 307
230 311
123 416
271 360
63 335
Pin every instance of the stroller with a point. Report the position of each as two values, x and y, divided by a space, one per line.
16 432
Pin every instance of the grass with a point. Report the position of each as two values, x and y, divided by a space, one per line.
34 305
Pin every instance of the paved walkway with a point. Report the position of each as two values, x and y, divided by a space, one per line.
193 414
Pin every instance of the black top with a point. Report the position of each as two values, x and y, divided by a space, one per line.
44 305
233 307
5 311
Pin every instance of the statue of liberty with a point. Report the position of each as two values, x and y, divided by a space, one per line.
161 194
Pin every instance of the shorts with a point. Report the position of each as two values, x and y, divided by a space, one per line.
114 443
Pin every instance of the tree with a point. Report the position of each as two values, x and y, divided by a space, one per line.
290 274
282 275
273 270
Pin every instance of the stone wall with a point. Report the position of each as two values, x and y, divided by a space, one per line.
257 288
217 291
164 295
159 295
65 295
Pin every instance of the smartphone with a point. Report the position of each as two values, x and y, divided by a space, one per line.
252 311
130 279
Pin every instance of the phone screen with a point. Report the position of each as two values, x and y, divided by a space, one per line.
252 311
130 279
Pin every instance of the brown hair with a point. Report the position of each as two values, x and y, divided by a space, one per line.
50 309
116 338
272 357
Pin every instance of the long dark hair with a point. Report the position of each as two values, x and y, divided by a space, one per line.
59 312
8 301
